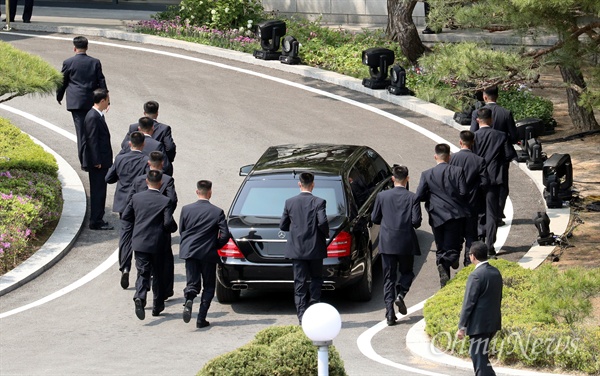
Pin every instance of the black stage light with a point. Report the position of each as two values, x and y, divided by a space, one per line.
527 129
534 152
270 34
290 48
378 60
557 176
398 81
542 223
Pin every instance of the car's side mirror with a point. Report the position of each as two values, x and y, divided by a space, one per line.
245 170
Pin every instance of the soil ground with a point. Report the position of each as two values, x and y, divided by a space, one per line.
582 248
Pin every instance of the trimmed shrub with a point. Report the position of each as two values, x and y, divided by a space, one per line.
278 351
216 14
544 317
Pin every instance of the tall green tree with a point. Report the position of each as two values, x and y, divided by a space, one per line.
401 28
22 73
576 51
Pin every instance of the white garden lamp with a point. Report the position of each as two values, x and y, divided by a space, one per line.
322 323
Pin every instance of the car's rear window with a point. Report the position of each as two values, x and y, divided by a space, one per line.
266 198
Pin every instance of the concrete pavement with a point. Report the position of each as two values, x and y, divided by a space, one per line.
113 23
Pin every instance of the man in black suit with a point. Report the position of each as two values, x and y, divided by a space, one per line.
151 216
305 217
203 231
481 317
493 146
27 11
161 133
167 188
477 182
444 189
82 74
146 126
503 121
97 157
399 213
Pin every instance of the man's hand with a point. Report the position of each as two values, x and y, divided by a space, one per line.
98 166
59 103
460 333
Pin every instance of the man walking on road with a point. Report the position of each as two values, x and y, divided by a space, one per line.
480 316
305 217
399 213
151 216
203 231
82 74
97 157
444 189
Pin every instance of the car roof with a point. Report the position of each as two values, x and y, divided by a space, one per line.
322 159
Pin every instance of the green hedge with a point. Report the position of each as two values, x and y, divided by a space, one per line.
276 351
18 151
546 317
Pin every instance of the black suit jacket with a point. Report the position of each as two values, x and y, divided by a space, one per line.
481 312
167 188
399 213
151 145
123 172
95 146
305 217
443 189
152 217
493 146
203 231
475 176
162 134
502 120
82 74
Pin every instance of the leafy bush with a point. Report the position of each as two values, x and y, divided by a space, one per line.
279 351
523 105
544 315
18 151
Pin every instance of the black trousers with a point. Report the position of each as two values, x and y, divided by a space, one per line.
503 194
489 224
97 194
479 351
125 251
448 241
147 265
200 275
306 293
78 120
26 12
392 286
471 224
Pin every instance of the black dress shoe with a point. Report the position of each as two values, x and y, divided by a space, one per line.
455 264
391 320
400 304
125 279
202 324
26 21
444 275
102 226
157 309
427 30
139 309
187 310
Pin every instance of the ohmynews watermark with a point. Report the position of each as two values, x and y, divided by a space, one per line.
528 345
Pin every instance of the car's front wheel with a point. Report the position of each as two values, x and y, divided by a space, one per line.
364 288
227 295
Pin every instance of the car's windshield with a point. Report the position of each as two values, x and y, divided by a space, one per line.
266 198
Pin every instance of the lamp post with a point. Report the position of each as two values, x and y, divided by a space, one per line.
322 323
7 26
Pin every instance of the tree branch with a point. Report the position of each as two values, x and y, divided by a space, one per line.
574 35
10 97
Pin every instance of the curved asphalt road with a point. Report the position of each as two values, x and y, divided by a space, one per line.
221 119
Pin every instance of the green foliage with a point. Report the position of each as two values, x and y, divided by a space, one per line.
215 14
22 73
278 351
523 105
18 151
544 313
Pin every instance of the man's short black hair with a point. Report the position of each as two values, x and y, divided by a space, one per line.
146 124
306 179
100 94
484 114
137 139
203 186
154 176
400 172
151 107
479 250
467 138
492 92
442 150
156 158
80 42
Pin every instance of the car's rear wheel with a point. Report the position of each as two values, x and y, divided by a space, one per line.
364 288
227 295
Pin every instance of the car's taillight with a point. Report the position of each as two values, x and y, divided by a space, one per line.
340 246
230 250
